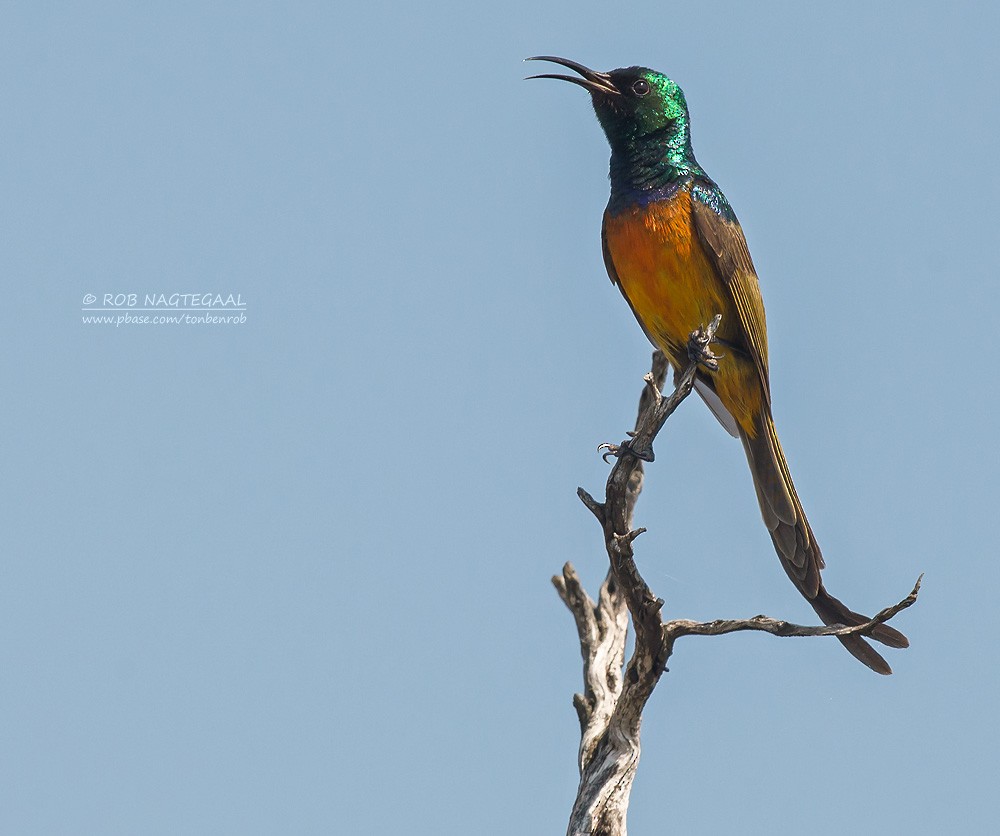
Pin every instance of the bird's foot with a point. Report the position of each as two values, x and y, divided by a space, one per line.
698 345
632 447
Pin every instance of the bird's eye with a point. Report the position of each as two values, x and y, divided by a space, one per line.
640 87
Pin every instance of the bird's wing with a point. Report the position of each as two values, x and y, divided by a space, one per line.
726 248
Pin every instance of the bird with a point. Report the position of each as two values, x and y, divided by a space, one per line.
675 249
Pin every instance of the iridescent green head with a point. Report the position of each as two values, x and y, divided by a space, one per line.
645 118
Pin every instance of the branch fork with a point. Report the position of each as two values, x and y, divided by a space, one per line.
610 708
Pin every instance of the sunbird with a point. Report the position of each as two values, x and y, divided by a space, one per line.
673 246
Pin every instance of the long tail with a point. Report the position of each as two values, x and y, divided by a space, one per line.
797 547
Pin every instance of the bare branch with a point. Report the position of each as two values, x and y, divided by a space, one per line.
609 747
610 709
596 508
761 623
602 628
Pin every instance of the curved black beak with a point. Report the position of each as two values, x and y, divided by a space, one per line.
593 81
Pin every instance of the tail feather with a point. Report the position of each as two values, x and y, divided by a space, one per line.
797 548
781 509
833 611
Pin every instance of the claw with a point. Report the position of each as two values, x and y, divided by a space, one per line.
616 451
698 345
612 450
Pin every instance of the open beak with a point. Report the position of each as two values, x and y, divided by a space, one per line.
593 81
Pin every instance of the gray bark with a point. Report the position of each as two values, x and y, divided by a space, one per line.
610 707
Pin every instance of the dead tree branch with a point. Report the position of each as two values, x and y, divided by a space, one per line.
610 708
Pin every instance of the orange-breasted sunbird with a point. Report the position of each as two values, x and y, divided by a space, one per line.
673 246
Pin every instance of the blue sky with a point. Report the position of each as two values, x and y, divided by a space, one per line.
292 575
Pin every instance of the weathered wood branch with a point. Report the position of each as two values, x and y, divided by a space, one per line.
602 627
610 708
764 624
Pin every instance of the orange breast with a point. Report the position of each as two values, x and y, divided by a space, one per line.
673 288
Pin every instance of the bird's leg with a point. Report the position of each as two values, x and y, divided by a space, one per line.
699 341
657 408
637 443
616 451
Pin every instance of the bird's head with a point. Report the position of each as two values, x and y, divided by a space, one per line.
633 104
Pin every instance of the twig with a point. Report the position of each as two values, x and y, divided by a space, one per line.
610 709
761 623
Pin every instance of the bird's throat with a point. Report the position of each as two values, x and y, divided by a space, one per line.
651 167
